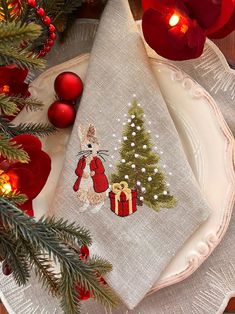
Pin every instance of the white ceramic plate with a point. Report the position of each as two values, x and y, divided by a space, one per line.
205 137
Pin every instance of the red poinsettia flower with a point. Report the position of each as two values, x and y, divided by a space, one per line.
177 29
28 178
12 81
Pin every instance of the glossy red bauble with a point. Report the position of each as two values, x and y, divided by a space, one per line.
68 86
61 114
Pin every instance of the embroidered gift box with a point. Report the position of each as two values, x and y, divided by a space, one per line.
123 209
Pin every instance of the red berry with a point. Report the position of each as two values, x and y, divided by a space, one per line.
53 36
6 269
51 28
42 53
47 48
84 253
50 42
32 3
83 294
41 12
47 20
102 280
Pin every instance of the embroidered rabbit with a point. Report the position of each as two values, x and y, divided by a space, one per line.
92 183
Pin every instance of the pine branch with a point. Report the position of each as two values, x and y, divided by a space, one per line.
11 150
69 301
15 259
22 58
15 198
30 103
64 11
13 33
37 129
42 267
68 232
100 265
37 234
8 105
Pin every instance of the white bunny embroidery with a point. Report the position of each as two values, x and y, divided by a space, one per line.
92 183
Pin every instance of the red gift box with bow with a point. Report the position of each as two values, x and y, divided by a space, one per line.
123 199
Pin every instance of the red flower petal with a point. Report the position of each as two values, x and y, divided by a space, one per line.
28 142
164 7
227 9
206 12
226 30
11 73
32 176
176 42
18 88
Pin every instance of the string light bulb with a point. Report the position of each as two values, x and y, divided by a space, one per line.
174 20
6 188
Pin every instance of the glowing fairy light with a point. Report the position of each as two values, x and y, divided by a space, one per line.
174 20
6 188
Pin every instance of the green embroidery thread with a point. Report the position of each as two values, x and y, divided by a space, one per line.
139 164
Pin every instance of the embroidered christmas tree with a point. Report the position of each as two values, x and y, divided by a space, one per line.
138 165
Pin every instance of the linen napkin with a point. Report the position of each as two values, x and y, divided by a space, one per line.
125 176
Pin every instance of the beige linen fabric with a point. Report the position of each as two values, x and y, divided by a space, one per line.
139 246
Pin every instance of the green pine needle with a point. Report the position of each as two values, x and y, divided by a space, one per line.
73 270
69 301
37 129
30 103
8 105
22 58
14 258
11 150
100 265
13 33
68 232
42 267
15 198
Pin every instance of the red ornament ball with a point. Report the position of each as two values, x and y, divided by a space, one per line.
68 86
61 114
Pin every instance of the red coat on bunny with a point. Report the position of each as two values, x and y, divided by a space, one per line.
100 181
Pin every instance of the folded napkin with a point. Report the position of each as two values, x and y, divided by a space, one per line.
126 177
